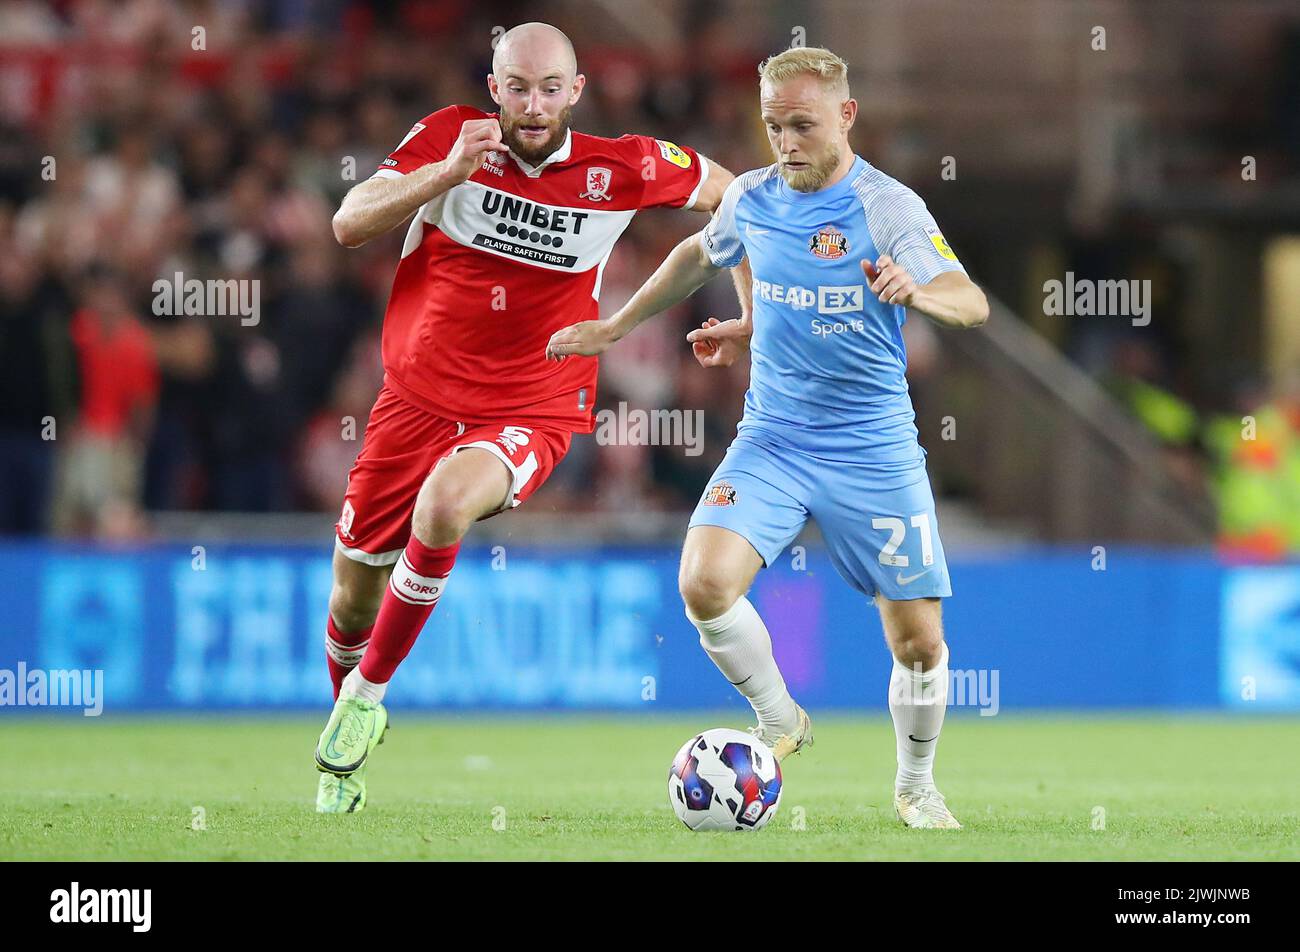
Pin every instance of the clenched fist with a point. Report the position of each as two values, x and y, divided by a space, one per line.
890 281
477 136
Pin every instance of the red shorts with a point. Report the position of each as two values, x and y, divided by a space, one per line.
403 444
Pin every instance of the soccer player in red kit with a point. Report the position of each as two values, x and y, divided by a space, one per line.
515 216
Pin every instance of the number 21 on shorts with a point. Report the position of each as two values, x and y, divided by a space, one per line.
897 531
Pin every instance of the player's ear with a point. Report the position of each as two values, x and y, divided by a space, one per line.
848 113
579 82
494 89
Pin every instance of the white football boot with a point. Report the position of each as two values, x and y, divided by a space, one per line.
787 744
922 808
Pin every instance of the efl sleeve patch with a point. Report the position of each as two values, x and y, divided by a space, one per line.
673 154
941 245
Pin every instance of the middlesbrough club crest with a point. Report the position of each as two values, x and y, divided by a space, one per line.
345 520
829 242
598 185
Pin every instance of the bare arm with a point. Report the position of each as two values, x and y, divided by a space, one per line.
951 299
714 185
379 205
743 278
718 343
686 269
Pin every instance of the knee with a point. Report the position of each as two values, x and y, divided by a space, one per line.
442 516
706 592
923 650
916 638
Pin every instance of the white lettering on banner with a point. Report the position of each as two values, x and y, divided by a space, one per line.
549 632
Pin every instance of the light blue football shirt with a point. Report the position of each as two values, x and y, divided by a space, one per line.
828 360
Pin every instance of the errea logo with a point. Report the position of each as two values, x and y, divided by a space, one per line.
828 299
513 437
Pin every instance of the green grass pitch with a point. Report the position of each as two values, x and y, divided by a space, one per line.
569 787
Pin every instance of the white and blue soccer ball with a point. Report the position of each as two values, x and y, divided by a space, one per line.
724 779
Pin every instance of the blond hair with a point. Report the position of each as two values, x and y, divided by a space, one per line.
806 61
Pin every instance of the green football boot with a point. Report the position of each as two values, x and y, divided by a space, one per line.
342 794
355 728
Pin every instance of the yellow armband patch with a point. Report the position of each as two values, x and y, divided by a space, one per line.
941 245
673 154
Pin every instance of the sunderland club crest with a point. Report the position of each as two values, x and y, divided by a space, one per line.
829 242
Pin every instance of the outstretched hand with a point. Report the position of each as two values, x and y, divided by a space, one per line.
585 339
720 343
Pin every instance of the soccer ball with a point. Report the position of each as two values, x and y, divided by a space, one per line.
724 780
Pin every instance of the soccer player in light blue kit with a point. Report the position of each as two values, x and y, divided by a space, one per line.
838 252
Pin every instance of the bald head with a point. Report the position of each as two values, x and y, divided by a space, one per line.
534 47
535 81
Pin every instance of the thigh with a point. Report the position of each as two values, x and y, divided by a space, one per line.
719 557
401 444
529 454
463 487
755 497
882 540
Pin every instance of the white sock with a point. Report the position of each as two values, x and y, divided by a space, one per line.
738 642
917 702
354 685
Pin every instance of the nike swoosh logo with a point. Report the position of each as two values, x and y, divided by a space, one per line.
919 741
907 580
330 750
750 230
739 683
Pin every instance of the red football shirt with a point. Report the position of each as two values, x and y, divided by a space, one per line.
118 371
494 266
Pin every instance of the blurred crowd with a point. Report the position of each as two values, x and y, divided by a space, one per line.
142 139
130 156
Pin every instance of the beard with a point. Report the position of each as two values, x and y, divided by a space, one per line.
534 151
815 175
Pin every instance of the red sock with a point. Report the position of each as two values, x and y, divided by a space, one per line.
343 650
418 579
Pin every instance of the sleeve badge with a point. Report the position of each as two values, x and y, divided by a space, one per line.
941 245
673 153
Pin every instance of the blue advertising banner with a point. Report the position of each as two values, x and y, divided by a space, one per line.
230 627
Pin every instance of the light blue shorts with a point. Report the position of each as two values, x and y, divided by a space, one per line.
879 523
